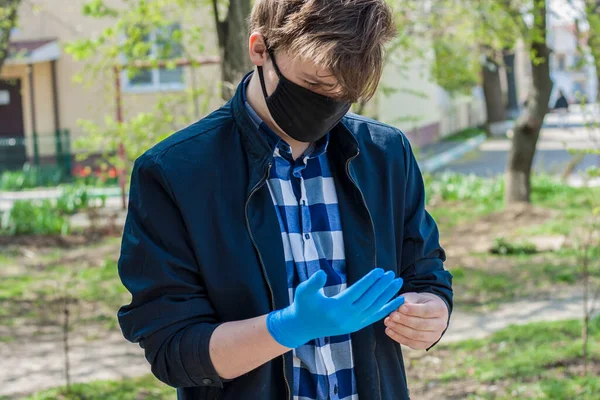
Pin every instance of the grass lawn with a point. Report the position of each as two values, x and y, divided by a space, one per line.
454 199
469 211
464 135
144 388
492 280
535 361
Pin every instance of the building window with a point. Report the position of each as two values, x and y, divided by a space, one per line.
158 79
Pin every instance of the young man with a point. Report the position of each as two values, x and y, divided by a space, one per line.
257 239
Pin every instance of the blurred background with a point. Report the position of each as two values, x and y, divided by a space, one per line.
500 99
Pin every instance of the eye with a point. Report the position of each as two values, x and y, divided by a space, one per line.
312 84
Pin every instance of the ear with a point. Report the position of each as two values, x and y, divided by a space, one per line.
258 49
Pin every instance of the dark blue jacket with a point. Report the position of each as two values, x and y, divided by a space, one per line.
202 246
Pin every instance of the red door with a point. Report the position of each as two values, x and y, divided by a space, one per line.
12 130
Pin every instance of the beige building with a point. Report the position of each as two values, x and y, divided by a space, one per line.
40 102
410 100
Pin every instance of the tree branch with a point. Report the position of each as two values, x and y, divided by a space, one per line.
8 11
216 10
221 26
515 14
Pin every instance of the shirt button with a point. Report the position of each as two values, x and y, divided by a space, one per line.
207 381
306 236
335 389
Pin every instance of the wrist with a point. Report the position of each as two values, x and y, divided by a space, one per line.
282 328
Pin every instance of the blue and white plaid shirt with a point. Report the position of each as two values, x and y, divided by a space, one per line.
303 192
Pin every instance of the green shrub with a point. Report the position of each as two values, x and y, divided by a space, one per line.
76 198
546 191
449 186
34 218
503 247
48 217
31 177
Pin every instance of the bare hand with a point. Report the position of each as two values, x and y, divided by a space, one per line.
419 322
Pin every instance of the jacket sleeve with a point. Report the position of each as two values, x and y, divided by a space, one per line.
170 315
422 256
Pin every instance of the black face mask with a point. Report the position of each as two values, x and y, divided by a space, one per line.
304 115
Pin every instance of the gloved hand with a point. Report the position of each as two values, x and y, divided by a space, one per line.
313 315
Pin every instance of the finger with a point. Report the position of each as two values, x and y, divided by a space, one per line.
386 296
355 291
387 309
420 324
413 344
376 290
312 284
423 310
413 334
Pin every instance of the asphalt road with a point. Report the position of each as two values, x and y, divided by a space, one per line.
552 155
494 162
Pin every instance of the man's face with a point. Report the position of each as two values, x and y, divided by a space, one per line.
301 72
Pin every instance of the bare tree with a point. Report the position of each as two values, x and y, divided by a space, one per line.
8 19
232 33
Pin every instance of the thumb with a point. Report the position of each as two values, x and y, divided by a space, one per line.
412 298
313 284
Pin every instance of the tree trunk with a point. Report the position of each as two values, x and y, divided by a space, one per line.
593 15
8 20
492 91
528 126
233 43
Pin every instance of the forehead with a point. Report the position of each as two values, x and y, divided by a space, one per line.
304 69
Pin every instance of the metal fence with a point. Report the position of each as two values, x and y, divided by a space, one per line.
51 151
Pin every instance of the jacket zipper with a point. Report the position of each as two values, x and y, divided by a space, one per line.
260 260
374 260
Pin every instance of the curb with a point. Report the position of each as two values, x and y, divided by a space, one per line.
53 193
442 159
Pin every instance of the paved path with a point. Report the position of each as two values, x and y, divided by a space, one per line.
475 326
552 155
32 365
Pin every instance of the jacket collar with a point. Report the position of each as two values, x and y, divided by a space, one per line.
260 150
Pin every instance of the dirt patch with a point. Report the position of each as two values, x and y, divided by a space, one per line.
56 241
88 256
42 305
478 236
38 254
33 364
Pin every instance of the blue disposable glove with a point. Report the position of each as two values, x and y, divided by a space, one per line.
313 315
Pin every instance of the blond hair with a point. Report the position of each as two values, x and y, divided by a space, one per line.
345 37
